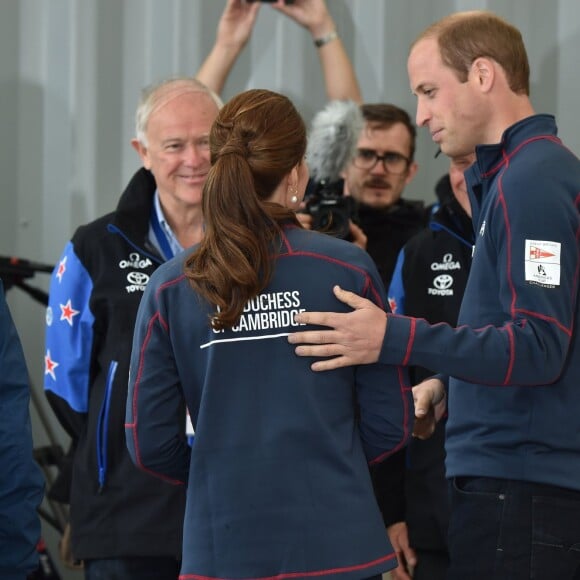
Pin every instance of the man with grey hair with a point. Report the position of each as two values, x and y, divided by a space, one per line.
125 524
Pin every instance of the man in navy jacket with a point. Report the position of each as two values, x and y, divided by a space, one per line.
512 441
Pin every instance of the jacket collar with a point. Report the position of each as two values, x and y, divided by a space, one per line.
490 158
134 208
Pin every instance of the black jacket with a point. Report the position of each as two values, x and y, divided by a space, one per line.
116 509
388 230
428 282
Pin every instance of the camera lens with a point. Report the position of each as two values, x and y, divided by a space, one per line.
332 217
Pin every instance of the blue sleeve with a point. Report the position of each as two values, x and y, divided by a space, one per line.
397 286
154 425
69 341
384 396
530 344
21 487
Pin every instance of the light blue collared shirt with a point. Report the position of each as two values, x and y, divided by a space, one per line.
162 237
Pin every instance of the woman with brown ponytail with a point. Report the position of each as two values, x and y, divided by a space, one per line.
277 477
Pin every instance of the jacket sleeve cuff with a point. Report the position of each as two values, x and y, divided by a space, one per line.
398 341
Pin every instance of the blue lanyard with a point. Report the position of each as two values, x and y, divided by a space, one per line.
160 236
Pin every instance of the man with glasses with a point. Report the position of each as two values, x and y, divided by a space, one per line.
376 178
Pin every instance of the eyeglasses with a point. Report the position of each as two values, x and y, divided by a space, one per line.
394 163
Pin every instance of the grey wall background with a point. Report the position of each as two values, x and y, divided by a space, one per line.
71 72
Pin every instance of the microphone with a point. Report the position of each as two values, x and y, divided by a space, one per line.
19 268
331 146
333 139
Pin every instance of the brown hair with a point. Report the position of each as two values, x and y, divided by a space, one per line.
385 115
466 36
256 140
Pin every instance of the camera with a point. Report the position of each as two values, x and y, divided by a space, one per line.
331 211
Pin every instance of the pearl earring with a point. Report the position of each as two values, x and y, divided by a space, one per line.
294 193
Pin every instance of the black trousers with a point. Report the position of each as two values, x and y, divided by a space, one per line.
513 530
